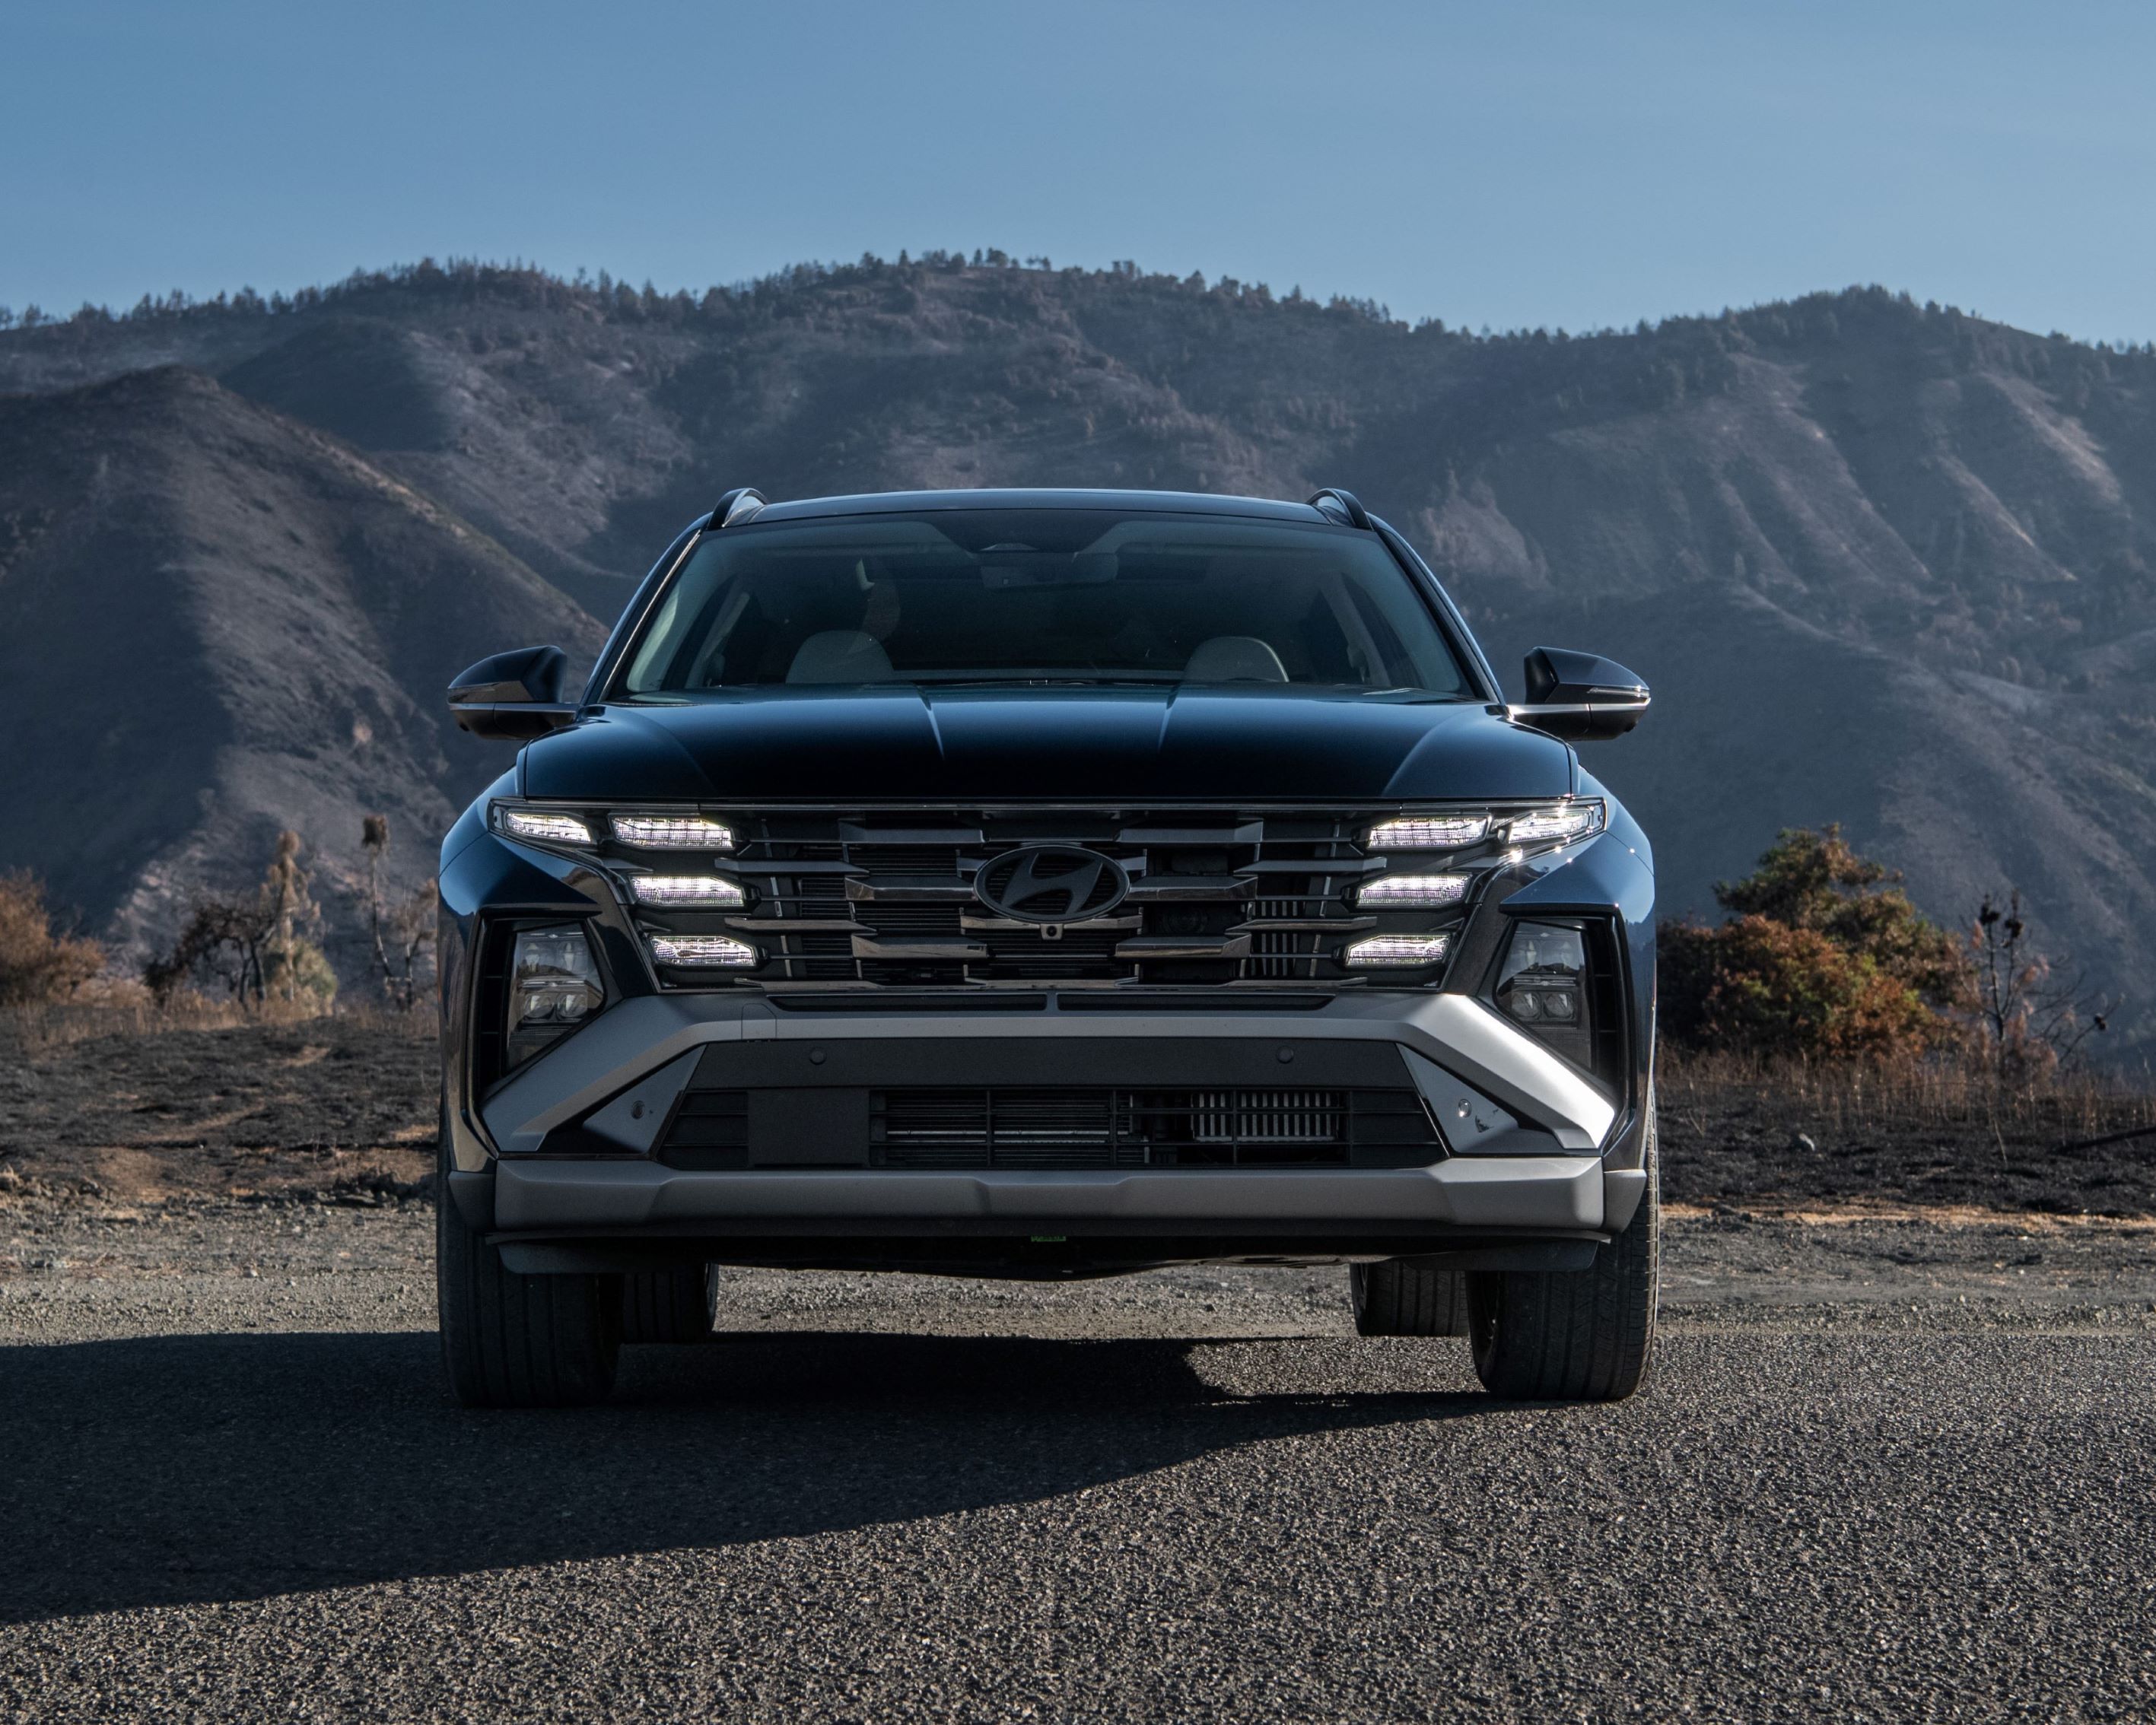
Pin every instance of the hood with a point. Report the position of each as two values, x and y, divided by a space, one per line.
908 745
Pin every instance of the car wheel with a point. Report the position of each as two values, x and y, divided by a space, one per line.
1577 1335
674 1304
512 1341
1404 1297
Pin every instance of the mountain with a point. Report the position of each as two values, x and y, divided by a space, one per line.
216 622
1883 563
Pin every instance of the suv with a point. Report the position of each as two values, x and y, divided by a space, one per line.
1046 884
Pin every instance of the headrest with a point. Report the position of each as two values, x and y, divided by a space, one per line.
1234 658
840 656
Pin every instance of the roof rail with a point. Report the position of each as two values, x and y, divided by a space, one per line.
739 504
1342 506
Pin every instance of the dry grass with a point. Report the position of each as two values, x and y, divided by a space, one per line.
39 1029
1853 1102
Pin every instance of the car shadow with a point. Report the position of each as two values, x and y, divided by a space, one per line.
187 1469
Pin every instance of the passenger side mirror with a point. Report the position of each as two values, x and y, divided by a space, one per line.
1580 697
515 695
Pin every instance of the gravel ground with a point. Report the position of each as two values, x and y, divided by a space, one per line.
1891 1466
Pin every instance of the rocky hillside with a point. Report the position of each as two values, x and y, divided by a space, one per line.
1883 563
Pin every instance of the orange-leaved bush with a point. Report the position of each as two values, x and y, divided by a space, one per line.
1824 957
37 965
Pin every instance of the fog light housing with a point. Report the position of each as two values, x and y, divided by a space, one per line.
673 832
685 891
704 952
554 986
1400 950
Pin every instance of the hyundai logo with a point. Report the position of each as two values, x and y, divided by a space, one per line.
1051 884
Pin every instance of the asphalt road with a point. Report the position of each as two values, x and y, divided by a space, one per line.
230 1487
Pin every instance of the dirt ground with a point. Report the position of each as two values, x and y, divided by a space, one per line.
336 1109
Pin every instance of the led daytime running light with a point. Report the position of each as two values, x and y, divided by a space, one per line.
1429 832
703 952
673 832
1560 824
1412 892
543 828
1402 950
689 890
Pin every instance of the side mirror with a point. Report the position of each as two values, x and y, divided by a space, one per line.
1580 697
517 695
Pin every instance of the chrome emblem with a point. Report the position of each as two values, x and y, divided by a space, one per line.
1051 884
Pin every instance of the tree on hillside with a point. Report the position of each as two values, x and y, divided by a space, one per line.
2031 1018
1823 957
257 945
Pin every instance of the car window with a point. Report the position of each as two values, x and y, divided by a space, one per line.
1046 596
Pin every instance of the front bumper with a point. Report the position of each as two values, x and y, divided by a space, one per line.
1531 1147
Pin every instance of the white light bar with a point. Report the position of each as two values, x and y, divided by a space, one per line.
689 890
673 832
546 829
1397 949
1558 824
1412 892
704 952
1429 832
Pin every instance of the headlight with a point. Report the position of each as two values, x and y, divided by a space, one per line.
1542 987
691 891
1412 892
1560 823
542 827
703 952
673 832
1400 949
553 987
1429 832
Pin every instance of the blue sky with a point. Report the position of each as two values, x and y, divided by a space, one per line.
1512 165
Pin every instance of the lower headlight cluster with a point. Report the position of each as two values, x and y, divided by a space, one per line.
554 986
1543 987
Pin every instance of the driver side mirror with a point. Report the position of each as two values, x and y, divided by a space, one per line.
1580 697
515 695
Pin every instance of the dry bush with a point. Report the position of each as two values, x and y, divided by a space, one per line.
37 965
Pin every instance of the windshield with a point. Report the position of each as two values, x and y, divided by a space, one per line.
1047 596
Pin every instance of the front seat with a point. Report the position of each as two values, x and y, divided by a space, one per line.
840 656
1234 658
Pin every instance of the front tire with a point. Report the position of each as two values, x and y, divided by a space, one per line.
1576 1335
512 1341
675 1304
1404 1297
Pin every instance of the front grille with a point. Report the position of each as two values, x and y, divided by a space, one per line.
840 900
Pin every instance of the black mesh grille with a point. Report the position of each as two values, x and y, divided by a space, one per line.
1077 1128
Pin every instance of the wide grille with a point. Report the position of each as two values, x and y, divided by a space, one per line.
839 901
1078 1127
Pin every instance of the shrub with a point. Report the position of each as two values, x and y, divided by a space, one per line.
1824 957
36 965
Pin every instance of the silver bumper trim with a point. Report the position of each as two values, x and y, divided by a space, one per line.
624 1045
